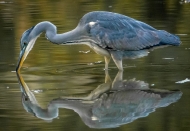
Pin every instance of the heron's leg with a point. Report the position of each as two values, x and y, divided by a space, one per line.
102 88
118 80
107 61
119 76
96 93
118 63
117 57
107 77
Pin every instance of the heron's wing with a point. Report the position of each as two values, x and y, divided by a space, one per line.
124 34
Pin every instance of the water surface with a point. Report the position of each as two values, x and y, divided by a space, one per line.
54 72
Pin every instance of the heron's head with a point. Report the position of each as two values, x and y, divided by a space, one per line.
26 43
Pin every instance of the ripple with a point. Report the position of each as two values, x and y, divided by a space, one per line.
183 81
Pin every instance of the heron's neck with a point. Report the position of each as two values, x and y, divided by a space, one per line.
51 33
52 111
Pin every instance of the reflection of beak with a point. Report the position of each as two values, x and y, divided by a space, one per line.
23 87
22 57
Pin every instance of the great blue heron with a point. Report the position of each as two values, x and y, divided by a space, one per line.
109 34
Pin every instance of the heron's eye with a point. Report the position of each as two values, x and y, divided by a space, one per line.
25 43
26 99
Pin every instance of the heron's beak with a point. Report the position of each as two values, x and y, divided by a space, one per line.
22 57
24 52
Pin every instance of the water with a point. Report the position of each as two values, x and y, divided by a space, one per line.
54 72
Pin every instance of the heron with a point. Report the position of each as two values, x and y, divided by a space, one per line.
109 34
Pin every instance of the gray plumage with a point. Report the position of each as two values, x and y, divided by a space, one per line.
118 32
123 103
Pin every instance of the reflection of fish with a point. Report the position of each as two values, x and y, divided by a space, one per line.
110 105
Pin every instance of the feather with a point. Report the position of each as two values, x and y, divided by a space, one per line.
118 32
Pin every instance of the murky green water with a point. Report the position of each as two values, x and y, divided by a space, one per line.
54 72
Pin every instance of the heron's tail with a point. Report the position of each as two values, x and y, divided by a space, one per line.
168 39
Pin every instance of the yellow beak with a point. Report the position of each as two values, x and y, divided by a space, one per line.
22 57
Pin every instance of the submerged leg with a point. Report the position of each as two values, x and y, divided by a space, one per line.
107 61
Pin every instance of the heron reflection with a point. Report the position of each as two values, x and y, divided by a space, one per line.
110 105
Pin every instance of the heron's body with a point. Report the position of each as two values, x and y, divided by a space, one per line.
109 34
